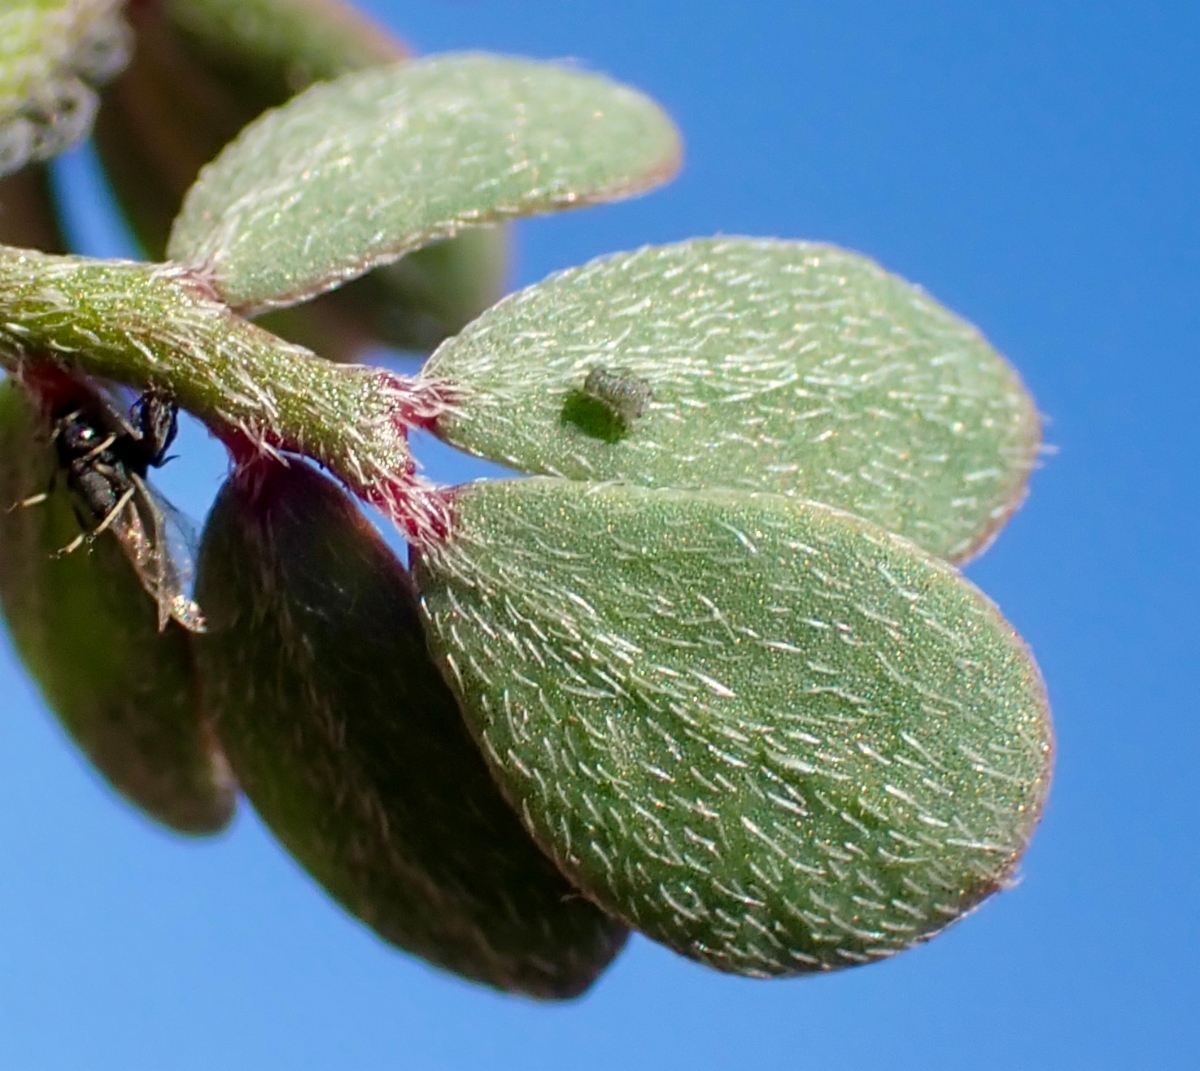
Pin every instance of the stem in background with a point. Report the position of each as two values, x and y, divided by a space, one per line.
146 325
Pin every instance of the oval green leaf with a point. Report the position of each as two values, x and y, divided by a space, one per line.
271 49
202 70
778 366
51 53
352 749
125 692
356 172
765 732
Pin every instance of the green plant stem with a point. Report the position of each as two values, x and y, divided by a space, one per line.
146 325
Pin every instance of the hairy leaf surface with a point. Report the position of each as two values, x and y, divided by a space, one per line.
354 752
126 693
202 70
776 366
765 732
356 172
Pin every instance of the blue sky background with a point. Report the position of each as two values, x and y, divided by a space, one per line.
1036 166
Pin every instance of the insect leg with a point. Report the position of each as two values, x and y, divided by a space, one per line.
62 422
114 513
104 525
36 500
73 546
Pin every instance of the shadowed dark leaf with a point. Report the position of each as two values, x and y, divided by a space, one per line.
354 752
85 628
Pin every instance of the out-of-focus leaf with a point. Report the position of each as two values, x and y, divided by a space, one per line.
356 172
412 304
788 367
354 752
125 692
164 118
272 49
768 733
203 70
51 53
27 214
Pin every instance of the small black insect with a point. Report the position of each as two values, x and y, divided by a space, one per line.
104 458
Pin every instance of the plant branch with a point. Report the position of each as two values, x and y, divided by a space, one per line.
147 325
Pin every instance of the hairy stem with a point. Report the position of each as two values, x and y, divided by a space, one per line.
146 325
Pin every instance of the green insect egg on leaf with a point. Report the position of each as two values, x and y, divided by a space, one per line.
623 393
608 404
353 750
765 732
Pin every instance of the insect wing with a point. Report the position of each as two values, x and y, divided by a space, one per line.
157 540
178 540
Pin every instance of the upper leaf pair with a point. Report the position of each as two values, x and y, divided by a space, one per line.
776 366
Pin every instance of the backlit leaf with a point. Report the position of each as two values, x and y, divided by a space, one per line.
777 366
356 172
767 733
